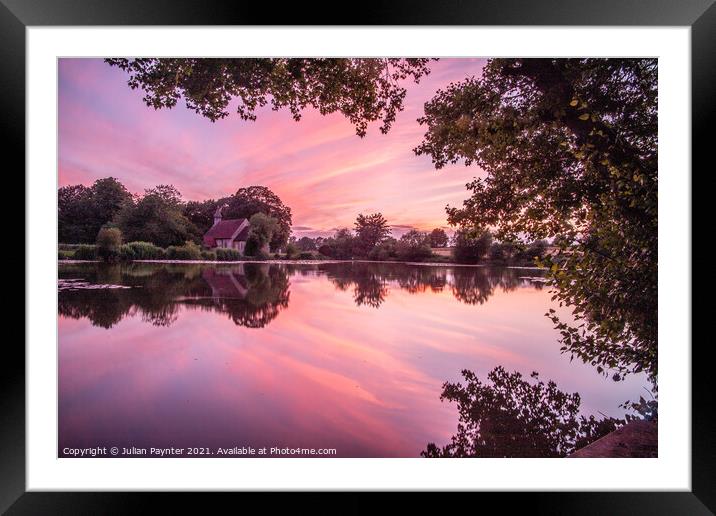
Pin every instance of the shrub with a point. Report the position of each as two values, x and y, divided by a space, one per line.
439 258
208 255
261 255
385 250
497 252
175 253
262 229
68 247
292 252
126 253
340 246
471 244
146 251
414 245
227 255
305 256
536 250
109 240
438 238
251 246
85 252
306 244
188 251
504 252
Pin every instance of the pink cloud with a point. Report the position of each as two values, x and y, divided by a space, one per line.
318 166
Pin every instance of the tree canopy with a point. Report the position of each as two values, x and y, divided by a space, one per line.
156 217
339 246
82 210
364 90
570 149
438 238
370 231
413 245
471 244
201 213
259 199
261 232
160 215
306 244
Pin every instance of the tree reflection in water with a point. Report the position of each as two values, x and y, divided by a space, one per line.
252 295
509 416
371 282
506 416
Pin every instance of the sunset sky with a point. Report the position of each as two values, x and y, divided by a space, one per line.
318 166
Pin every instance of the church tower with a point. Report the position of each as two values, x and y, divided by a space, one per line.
217 215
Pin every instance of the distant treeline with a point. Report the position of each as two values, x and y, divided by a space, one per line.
371 239
160 215
111 224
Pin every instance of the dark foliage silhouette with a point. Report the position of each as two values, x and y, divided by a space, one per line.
252 295
510 416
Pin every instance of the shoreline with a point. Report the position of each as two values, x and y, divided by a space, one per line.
314 262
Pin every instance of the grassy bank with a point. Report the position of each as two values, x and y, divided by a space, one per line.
145 251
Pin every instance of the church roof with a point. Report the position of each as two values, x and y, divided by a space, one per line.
226 229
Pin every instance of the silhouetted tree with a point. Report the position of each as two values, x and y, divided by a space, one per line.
82 211
414 245
570 149
262 228
471 244
75 215
306 244
535 251
370 231
438 238
339 246
507 252
156 217
201 215
387 249
363 90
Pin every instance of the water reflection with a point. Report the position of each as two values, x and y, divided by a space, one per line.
350 356
371 282
252 294
508 416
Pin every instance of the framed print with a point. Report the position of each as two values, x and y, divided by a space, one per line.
434 254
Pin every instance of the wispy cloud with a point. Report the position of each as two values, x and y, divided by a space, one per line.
318 166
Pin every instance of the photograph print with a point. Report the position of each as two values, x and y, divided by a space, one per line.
357 257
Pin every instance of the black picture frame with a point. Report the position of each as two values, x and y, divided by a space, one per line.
17 15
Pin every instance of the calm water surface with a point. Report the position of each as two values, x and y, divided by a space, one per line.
345 356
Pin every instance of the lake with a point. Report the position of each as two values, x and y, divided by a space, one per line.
344 356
